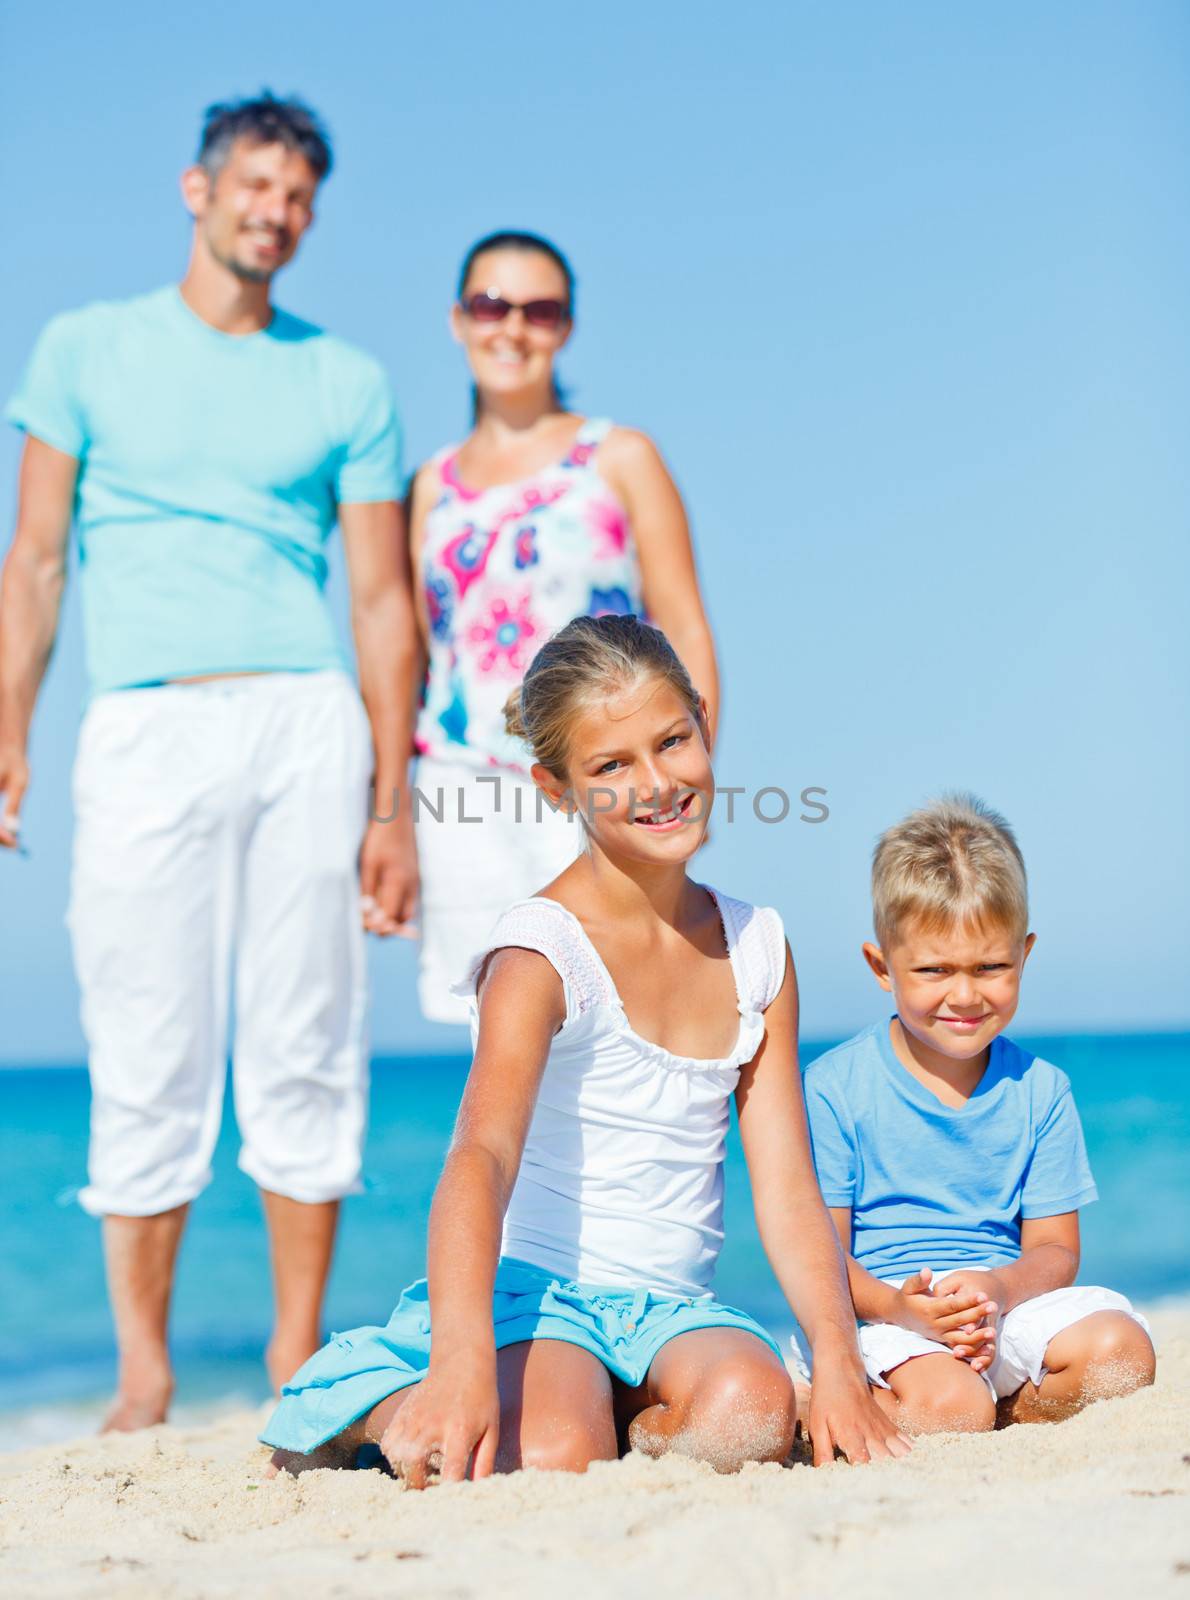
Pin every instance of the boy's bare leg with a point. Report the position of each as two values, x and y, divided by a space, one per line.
140 1253
1100 1357
721 1396
937 1394
302 1242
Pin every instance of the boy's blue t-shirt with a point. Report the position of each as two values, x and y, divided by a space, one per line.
210 470
942 1186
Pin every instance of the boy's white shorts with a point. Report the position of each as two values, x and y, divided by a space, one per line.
472 870
1023 1336
218 828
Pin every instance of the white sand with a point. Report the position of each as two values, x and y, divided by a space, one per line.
1099 1505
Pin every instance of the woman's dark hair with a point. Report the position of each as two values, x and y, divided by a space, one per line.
264 120
515 239
512 239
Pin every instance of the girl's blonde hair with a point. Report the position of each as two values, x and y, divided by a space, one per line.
586 661
954 863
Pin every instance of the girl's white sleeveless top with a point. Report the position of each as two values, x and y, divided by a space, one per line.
621 1181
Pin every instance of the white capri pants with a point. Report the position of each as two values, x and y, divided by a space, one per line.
508 847
218 828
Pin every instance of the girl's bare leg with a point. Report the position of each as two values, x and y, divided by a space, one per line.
555 1414
721 1396
555 1408
342 1449
1097 1358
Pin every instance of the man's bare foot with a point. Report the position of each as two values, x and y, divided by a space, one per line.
142 1407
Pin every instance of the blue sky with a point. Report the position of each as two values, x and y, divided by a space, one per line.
900 291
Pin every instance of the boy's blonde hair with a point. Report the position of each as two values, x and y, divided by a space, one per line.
587 660
954 863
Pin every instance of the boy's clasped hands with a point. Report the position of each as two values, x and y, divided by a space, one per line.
954 1311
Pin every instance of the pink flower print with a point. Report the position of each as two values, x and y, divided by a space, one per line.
609 529
466 555
580 455
524 505
502 641
525 548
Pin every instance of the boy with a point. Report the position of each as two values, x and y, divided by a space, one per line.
953 1161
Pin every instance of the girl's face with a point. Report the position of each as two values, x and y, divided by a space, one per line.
640 774
512 355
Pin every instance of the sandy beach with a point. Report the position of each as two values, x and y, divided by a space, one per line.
1096 1506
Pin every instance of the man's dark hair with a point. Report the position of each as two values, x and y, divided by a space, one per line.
264 120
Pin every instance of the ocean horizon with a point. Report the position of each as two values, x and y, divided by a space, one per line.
57 1355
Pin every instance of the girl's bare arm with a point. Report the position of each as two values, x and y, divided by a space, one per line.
455 1411
800 1240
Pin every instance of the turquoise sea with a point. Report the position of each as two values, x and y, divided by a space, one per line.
56 1351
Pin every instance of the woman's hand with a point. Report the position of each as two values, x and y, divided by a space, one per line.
844 1416
388 879
452 1416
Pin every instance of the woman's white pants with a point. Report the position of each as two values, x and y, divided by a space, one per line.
218 828
484 839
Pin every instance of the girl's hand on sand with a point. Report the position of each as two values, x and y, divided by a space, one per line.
452 1415
958 1314
843 1416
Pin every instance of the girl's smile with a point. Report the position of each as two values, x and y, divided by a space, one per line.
640 774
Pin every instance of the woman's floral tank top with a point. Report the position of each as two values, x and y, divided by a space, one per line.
503 569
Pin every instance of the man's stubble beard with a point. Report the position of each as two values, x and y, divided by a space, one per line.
239 270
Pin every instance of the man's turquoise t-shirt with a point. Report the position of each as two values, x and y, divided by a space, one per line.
941 1186
211 467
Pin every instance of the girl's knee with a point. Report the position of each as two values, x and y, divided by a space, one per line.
739 1412
568 1447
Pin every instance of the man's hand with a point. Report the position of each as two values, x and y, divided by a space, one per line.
14 780
843 1416
453 1414
388 879
958 1312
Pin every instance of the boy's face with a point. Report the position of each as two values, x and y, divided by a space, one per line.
955 990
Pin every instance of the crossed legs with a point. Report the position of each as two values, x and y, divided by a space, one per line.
1099 1357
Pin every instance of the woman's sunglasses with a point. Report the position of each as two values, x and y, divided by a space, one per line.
537 313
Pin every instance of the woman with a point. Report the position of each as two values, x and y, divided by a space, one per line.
538 516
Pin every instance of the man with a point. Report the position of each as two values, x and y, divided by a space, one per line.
206 443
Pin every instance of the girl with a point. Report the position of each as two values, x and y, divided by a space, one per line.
537 517
616 1013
